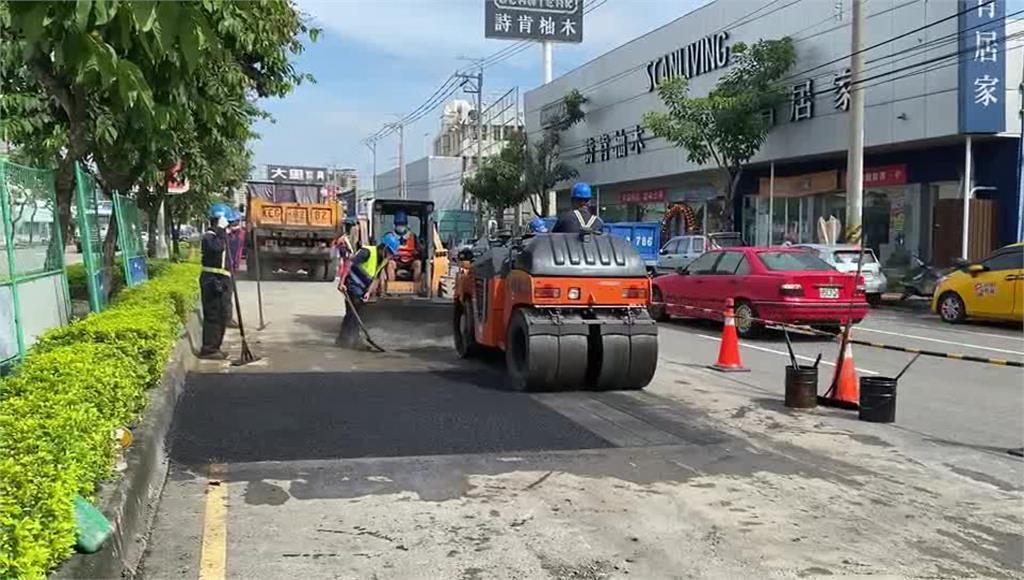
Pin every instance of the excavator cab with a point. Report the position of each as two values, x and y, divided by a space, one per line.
429 254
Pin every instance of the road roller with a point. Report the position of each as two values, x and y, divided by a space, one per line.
569 311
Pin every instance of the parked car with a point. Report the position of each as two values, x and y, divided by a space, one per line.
844 257
778 284
679 251
991 289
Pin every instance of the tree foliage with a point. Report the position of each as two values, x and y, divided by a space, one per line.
729 125
543 167
499 181
131 87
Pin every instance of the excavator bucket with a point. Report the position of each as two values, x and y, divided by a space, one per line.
401 324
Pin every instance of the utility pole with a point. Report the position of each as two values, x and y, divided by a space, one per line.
372 144
855 154
401 161
474 84
546 50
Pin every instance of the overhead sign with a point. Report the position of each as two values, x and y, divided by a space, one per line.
703 56
982 93
885 175
296 173
551 20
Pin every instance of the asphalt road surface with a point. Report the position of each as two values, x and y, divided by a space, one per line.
965 403
320 463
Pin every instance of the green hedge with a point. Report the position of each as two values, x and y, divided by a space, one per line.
61 406
78 284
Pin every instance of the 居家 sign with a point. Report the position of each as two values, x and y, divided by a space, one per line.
982 93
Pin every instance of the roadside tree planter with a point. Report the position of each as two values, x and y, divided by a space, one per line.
61 406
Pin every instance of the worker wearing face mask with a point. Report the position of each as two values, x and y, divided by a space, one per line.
409 255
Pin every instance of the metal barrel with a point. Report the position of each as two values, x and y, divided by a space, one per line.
801 387
877 399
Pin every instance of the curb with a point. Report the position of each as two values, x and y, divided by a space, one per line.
130 502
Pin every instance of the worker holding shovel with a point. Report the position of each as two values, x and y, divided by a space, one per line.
363 277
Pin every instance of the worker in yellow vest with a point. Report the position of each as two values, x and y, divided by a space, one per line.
362 281
215 283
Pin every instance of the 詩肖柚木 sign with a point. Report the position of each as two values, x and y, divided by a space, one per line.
545 20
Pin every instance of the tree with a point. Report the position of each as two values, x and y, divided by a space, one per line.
126 85
543 168
728 126
499 181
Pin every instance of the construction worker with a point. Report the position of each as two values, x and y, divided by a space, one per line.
537 226
361 283
408 257
215 283
579 217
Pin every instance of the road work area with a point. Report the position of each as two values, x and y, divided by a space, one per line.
316 462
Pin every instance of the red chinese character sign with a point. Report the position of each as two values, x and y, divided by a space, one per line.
175 184
885 175
651 196
546 20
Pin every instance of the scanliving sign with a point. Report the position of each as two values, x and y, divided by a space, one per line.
703 56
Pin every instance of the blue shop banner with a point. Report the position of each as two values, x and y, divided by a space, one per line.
982 66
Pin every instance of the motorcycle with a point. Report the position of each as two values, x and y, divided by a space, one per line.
922 279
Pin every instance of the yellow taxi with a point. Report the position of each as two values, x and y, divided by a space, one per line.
991 289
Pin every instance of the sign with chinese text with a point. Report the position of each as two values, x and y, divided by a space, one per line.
982 66
297 173
551 20
619 144
800 185
885 175
652 196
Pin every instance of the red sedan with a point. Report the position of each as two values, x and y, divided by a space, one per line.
777 284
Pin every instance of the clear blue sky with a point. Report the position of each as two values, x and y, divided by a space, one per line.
377 58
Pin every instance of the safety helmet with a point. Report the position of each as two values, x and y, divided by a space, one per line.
234 216
581 190
400 218
538 226
390 241
220 210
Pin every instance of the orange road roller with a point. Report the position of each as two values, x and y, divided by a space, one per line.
568 310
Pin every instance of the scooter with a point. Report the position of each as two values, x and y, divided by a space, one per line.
923 279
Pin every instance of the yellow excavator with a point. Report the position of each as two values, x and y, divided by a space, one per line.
406 316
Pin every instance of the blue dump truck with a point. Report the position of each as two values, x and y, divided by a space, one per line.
645 237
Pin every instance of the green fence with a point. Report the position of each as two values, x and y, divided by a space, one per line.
33 284
129 237
92 225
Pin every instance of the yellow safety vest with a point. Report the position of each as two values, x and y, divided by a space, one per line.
223 270
372 266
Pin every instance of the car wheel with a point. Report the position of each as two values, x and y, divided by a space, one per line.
657 305
874 300
746 327
951 308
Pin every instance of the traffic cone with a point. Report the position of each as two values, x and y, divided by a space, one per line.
729 350
845 390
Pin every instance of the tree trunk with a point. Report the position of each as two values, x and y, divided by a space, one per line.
175 251
151 217
728 209
499 216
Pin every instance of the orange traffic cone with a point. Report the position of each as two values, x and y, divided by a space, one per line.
845 389
729 351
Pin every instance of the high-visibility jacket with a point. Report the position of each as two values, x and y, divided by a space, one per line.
372 264
407 251
214 254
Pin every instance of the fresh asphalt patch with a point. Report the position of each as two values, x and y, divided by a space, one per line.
230 418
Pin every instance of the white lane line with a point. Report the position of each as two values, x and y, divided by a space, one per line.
938 340
786 354
945 327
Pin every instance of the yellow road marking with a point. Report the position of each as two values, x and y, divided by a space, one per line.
213 558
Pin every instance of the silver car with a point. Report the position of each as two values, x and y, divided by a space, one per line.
843 257
679 251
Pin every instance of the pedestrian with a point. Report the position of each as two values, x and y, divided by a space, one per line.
215 283
361 283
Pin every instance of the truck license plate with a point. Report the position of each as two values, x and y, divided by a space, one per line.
828 292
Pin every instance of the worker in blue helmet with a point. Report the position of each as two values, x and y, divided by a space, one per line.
579 217
538 226
215 282
410 253
361 284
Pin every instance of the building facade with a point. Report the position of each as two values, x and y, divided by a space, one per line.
436 179
938 74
